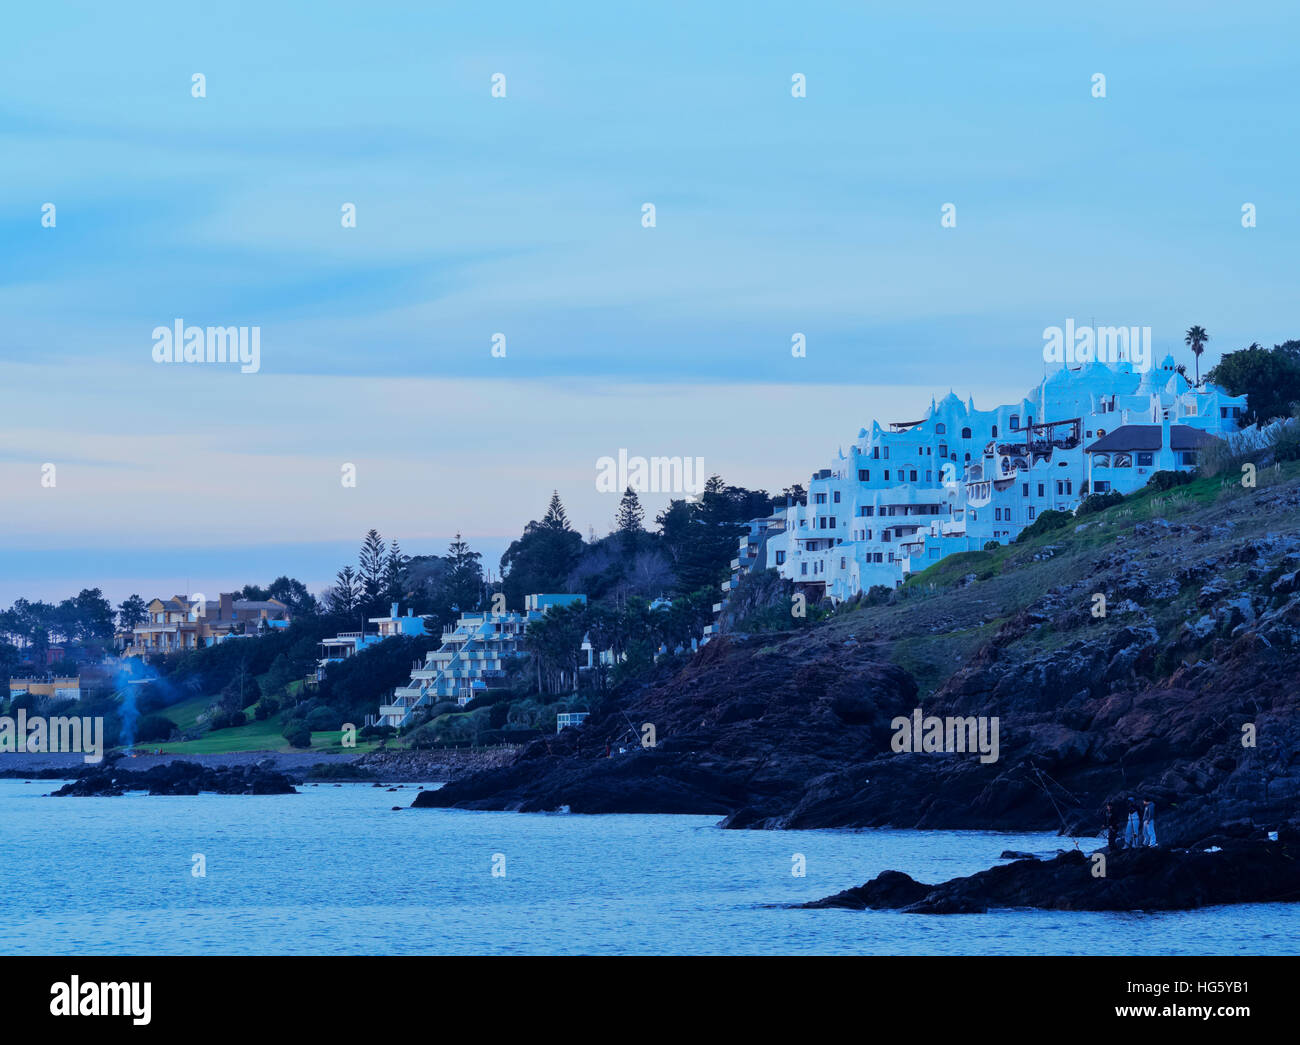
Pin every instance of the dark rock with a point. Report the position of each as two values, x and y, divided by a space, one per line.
179 778
1140 879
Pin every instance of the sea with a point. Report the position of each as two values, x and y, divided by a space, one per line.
336 869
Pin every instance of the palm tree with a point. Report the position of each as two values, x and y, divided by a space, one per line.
1196 338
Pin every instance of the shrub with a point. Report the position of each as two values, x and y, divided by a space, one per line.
1099 502
878 595
990 545
1287 447
324 718
265 708
381 732
1167 480
1047 522
227 719
153 728
297 734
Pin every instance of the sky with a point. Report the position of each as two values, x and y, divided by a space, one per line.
522 216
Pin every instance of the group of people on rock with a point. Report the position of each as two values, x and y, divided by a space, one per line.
1130 824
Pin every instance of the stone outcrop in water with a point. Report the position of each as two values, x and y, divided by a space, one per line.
1242 871
180 778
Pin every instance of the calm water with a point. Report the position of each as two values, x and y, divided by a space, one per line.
334 871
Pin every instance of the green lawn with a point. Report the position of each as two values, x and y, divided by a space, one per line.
255 736
186 713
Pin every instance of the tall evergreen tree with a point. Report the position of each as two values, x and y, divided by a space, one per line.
542 559
629 519
395 571
555 517
465 576
370 567
346 593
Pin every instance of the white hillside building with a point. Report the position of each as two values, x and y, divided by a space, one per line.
471 659
905 496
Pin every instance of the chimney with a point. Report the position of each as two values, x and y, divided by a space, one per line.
227 610
392 612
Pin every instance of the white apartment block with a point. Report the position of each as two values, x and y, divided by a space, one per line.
906 495
470 660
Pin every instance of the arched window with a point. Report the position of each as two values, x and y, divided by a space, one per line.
941 429
968 458
965 433
1123 461
995 431
1101 460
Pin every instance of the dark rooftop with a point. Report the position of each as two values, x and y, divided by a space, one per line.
1147 437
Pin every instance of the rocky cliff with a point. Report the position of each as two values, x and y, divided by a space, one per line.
1183 691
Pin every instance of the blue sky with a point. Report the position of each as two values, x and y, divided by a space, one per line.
521 215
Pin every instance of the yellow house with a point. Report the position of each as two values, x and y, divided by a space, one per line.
63 688
186 622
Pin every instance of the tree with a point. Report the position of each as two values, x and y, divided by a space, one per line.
395 571
294 594
795 494
630 517
555 517
464 586
345 596
716 524
1268 378
131 612
1196 338
555 642
370 568
542 559
674 524
94 616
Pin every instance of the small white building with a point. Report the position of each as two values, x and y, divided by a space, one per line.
349 643
569 718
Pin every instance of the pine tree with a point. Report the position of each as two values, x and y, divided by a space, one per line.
555 517
630 518
465 575
395 571
370 566
343 597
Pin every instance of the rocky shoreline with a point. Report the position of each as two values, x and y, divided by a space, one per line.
1183 693
391 766
1255 870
